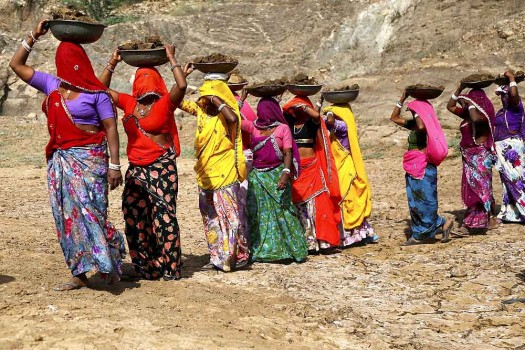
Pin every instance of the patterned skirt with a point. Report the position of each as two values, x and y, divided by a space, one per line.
226 240
511 167
149 208
476 186
275 230
423 204
78 189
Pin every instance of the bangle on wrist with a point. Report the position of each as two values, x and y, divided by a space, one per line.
112 64
286 171
32 36
173 66
114 166
319 104
454 97
399 104
222 106
110 70
513 84
471 107
26 46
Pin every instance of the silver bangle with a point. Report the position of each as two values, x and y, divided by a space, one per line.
513 84
399 105
221 107
175 66
26 46
32 36
471 107
114 166
319 104
454 97
109 69
286 171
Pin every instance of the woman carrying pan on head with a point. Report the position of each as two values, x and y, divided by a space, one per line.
220 168
356 204
316 192
81 122
509 133
275 231
149 200
427 148
477 151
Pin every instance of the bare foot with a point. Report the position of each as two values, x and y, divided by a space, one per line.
76 282
494 223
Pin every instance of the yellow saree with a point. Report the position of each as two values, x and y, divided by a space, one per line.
218 145
356 203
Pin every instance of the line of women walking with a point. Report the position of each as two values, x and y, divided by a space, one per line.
488 140
274 185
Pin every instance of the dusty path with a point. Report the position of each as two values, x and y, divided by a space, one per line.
380 296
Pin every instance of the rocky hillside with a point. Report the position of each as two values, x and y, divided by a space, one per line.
381 44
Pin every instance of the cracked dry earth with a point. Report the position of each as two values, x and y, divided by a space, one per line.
460 295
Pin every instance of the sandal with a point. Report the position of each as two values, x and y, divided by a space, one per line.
445 236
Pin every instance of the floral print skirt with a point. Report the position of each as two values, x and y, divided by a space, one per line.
149 208
226 240
511 166
476 185
275 231
78 189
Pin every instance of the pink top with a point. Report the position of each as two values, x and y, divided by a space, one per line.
282 133
87 108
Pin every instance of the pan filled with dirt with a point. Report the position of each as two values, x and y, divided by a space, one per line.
74 26
147 53
519 76
215 63
268 88
424 92
478 80
303 85
343 94
236 81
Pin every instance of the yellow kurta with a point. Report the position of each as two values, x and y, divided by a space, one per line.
218 145
356 203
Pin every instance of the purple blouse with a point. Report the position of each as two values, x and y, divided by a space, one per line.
87 108
509 119
340 131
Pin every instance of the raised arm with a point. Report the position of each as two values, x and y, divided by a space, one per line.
227 112
179 88
453 101
19 59
514 97
107 74
396 113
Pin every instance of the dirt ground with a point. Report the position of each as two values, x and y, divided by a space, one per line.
444 296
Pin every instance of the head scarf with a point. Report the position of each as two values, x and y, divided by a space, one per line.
269 113
148 81
220 89
74 68
294 103
482 102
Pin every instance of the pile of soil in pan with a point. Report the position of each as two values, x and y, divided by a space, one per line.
423 87
344 88
477 77
215 58
303 79
71 14
281 81
236 78
149 42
